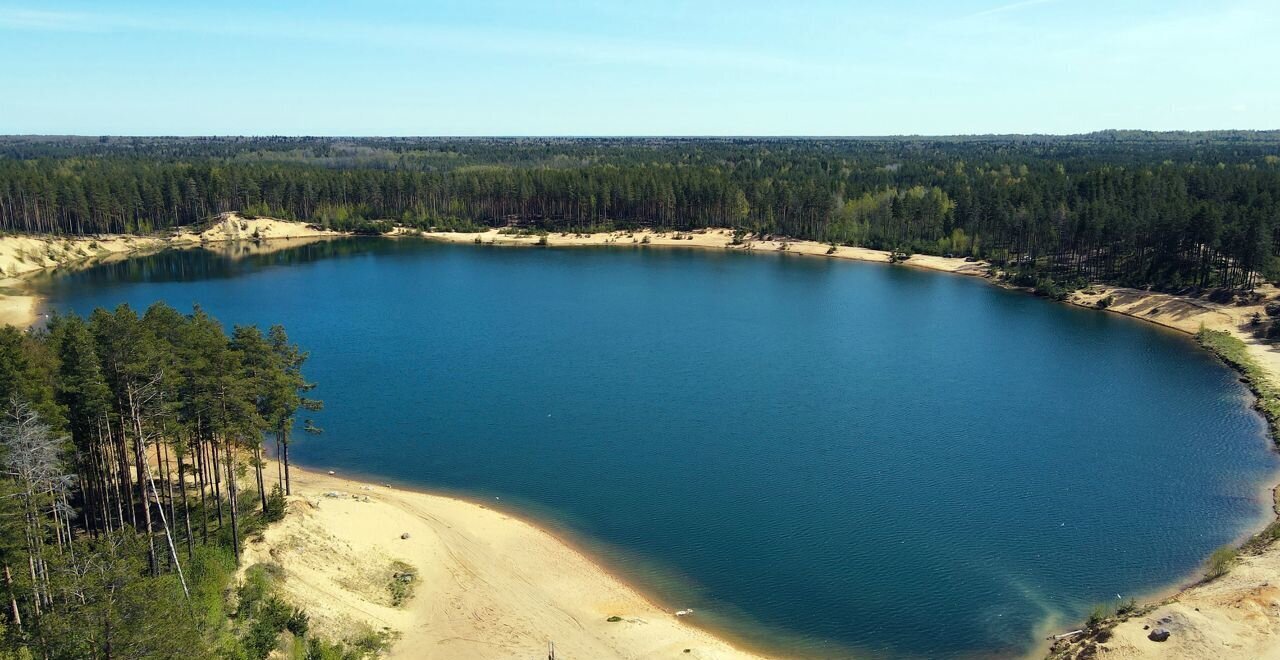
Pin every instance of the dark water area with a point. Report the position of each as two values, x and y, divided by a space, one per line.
821 457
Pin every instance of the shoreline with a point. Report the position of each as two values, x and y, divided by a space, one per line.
486 605
1182 314
23 257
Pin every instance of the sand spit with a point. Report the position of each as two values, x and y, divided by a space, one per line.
487 585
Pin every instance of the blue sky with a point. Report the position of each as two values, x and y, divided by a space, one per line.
654 67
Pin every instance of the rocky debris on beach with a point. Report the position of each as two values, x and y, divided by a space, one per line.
404 535
1158 635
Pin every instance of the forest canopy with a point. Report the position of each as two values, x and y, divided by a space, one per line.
1166 209
131 474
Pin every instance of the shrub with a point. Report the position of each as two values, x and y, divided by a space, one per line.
1106 302
276 505
298 623
1222 296
403 580
254 590
1097 615
1050 289
1220 561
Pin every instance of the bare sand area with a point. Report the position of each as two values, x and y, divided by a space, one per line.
487 584
719 239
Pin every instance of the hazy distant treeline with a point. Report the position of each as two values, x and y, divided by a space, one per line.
1171 209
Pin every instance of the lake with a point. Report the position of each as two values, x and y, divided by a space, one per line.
822 457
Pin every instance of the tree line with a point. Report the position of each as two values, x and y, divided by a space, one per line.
1171 210
130 472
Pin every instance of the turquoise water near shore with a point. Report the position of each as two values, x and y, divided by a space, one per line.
820 457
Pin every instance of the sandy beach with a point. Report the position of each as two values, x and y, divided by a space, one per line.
717 239
488 585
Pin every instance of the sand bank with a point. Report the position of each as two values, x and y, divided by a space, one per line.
718 239
22 256
489 585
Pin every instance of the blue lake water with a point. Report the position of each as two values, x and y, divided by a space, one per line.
821 457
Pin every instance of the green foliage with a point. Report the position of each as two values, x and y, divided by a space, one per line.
402 583
298 623
264 619
1221 561
1234 352
522 231
276 505
105 580
1170 210
1042 285
1097 615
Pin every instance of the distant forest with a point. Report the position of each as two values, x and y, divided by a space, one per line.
1171 210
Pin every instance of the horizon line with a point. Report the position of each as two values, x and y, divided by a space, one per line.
635 136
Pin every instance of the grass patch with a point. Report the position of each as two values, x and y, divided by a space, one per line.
403 580
1097 615
1234 352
